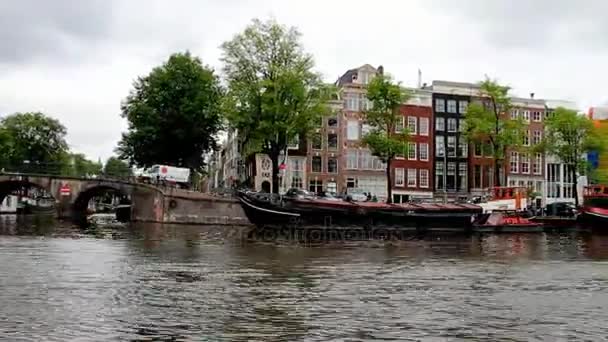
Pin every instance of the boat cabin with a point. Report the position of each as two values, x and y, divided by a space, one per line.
596 190
504 198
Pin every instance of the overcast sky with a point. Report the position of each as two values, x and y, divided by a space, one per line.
76 60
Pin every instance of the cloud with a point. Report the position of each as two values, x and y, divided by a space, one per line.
42 30
534 24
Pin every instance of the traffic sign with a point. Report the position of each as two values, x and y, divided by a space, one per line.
282 166
65 190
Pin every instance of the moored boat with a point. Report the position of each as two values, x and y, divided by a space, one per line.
506 222
298 208
594 212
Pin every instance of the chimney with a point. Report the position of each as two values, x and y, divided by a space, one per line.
380 70
531 95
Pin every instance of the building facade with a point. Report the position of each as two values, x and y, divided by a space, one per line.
362 172
412 171
451 164
526 167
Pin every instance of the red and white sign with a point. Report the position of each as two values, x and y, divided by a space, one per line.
282 166
65 190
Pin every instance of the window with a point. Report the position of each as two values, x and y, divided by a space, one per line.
514 162
332 165
463 106
352 102
439 146
477 184
462 175
424 126
440 124
451 176
367 104
412 125
352 130
440 105
525 163
424 178
399 177
526 115
332 141
451 106
463 147
399 125
379 164
451 146
411 177
332 187
514 114
315 186
365 129
351 182
332 122
477 152
451 125
424 151
411 151
537 137
294 142
296 166
317 142
366 162
317 164
460 125
526 141
537 116
538 162
351 159
439 175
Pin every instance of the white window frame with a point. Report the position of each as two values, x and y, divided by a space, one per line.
463 104
537 137
454 107
525 161
455 121
440 105
538 160
337 165
514 163
440 149
352 102
455 146
426 173
399 177
365 129
400 124
440 122
527 138
526 115
414 130
352 130
410 149
348 152
514 114
411 181
537 116
424 157
425 131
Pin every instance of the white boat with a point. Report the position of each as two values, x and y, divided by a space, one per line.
509 198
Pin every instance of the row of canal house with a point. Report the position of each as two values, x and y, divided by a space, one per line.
438 164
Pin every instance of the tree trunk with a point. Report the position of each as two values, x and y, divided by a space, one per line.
496 172
574 185
274 158
389 183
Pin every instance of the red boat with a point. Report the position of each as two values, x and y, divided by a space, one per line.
594 212
506 222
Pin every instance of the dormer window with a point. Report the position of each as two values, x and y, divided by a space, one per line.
354 78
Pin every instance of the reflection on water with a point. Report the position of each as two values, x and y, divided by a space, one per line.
151 282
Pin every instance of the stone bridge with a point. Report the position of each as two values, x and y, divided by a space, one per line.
148 203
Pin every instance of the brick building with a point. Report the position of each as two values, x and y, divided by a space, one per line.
361 172
526 168
412 172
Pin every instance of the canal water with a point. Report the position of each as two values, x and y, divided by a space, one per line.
154 283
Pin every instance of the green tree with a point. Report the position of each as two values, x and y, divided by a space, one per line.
33 137
77 165
569 136
383 140
117 168
6 146
487 122
273 93
174 114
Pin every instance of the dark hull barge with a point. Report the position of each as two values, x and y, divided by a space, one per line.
270 211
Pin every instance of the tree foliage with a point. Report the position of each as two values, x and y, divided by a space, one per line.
32 137
569 136
488 122
77 165
274 94
383 140
174 114
117 168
